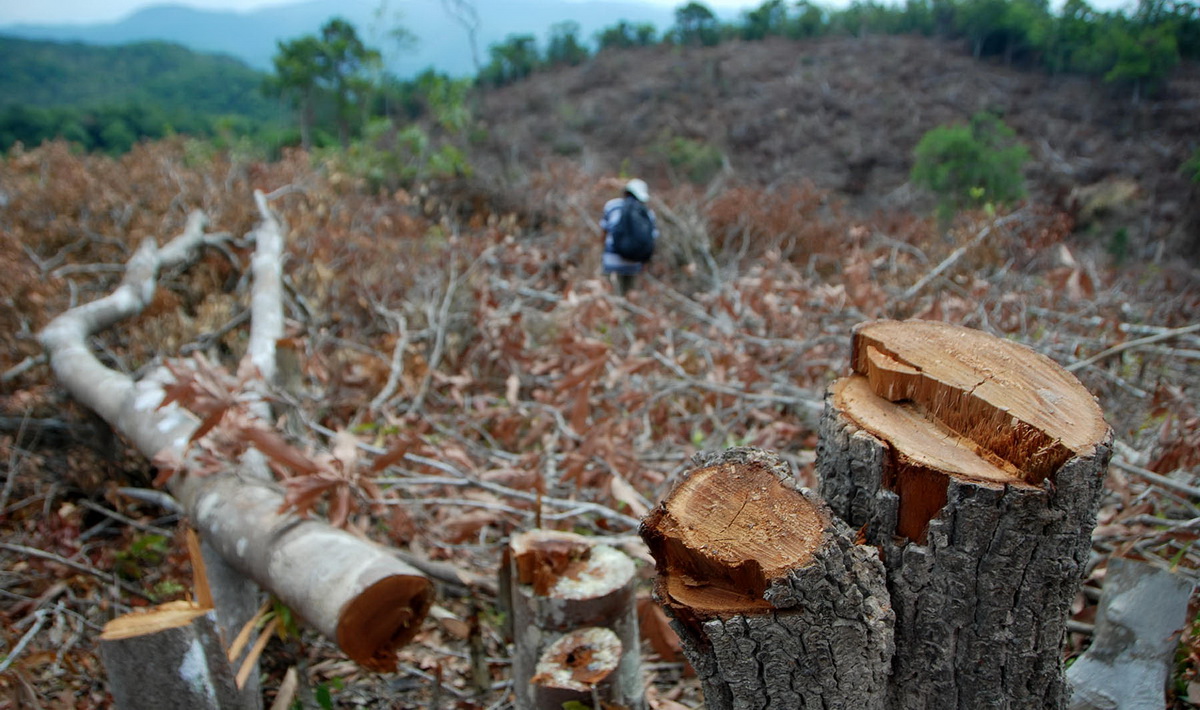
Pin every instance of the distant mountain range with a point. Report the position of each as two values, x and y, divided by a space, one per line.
442 41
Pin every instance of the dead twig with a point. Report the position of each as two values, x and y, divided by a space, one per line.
77 566
40 621
1157 479
22 367
439 340
1130 344
958 254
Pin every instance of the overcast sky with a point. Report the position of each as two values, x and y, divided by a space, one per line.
88 11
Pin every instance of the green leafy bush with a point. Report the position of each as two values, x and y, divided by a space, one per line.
696 160
971 165
390 157
1191 167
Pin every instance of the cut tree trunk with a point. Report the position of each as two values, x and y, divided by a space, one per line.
775 604
1142 611
975 466
168 657
352 590
574 618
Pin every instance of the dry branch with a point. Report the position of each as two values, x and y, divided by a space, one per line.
775 604
975 465
1142 611
351 590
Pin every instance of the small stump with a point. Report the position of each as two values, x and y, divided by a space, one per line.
975 466
169 656
574 622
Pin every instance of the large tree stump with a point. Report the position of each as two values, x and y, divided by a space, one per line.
168 657
975 465
775 604
574 622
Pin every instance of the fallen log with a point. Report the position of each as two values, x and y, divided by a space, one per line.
1142 611
574 618
352 590
975 465
775 604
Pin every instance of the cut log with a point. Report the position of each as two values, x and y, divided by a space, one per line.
775 604
562 584
168 657
975 465
1142 611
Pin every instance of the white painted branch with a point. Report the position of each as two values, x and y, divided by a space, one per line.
352 590
266 299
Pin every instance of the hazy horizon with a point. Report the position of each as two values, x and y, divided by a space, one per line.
13 12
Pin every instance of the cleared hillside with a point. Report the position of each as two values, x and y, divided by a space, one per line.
846 113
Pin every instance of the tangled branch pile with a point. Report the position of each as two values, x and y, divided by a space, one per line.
460 337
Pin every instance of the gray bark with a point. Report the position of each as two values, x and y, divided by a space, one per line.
981 605
1142 611
823 638
177 667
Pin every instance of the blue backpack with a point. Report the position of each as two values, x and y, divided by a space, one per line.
633 234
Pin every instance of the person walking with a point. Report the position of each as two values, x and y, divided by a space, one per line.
630 233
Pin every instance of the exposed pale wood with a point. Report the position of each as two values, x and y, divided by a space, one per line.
168 656
579 667
975 465
1142 613
774 603
561 583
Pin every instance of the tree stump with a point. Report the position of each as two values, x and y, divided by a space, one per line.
975 465
774 603
574 622
168 657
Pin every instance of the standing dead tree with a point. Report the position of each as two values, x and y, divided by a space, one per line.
975 465
349 589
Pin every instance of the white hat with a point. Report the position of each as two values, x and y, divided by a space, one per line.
638 189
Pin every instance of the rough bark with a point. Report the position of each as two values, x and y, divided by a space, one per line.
350 589
975 466
1142 611
169 656
575 622
775 604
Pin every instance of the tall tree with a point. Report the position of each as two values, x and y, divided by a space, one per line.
344 66
695 24
564 46
513 59
297 72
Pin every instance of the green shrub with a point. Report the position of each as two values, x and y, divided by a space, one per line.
971 165
1191 167
390 157
696 160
